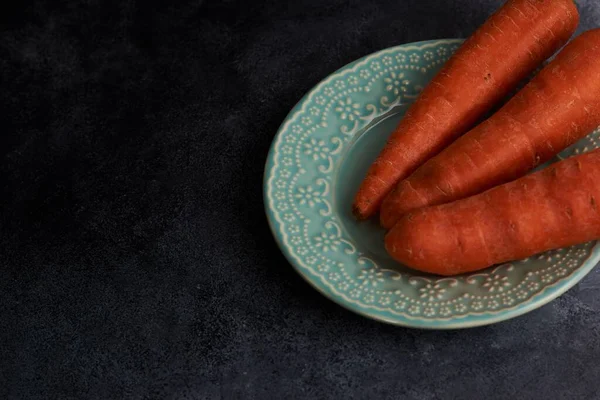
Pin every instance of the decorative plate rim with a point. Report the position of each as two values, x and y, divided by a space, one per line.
469 320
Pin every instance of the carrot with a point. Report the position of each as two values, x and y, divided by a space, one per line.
501 53
558 107
556 207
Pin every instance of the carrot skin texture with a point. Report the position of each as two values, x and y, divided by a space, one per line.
556 207
558 107
502 52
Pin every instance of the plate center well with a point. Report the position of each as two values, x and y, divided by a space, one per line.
351 170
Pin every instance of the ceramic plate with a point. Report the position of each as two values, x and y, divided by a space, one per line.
315 165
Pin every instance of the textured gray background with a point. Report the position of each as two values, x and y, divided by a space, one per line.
135 258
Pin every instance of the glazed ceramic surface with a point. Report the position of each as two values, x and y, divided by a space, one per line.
316 162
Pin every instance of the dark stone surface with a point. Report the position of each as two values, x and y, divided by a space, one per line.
135 256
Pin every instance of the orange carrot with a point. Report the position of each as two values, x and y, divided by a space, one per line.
501 53
556 207
558 107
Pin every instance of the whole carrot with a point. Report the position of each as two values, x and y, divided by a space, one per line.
502 52
552 208
558 107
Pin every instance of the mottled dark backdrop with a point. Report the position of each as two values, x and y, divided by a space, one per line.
135 259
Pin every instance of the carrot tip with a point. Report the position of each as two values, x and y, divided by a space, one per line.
358 213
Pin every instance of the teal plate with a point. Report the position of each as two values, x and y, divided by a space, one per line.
314 167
